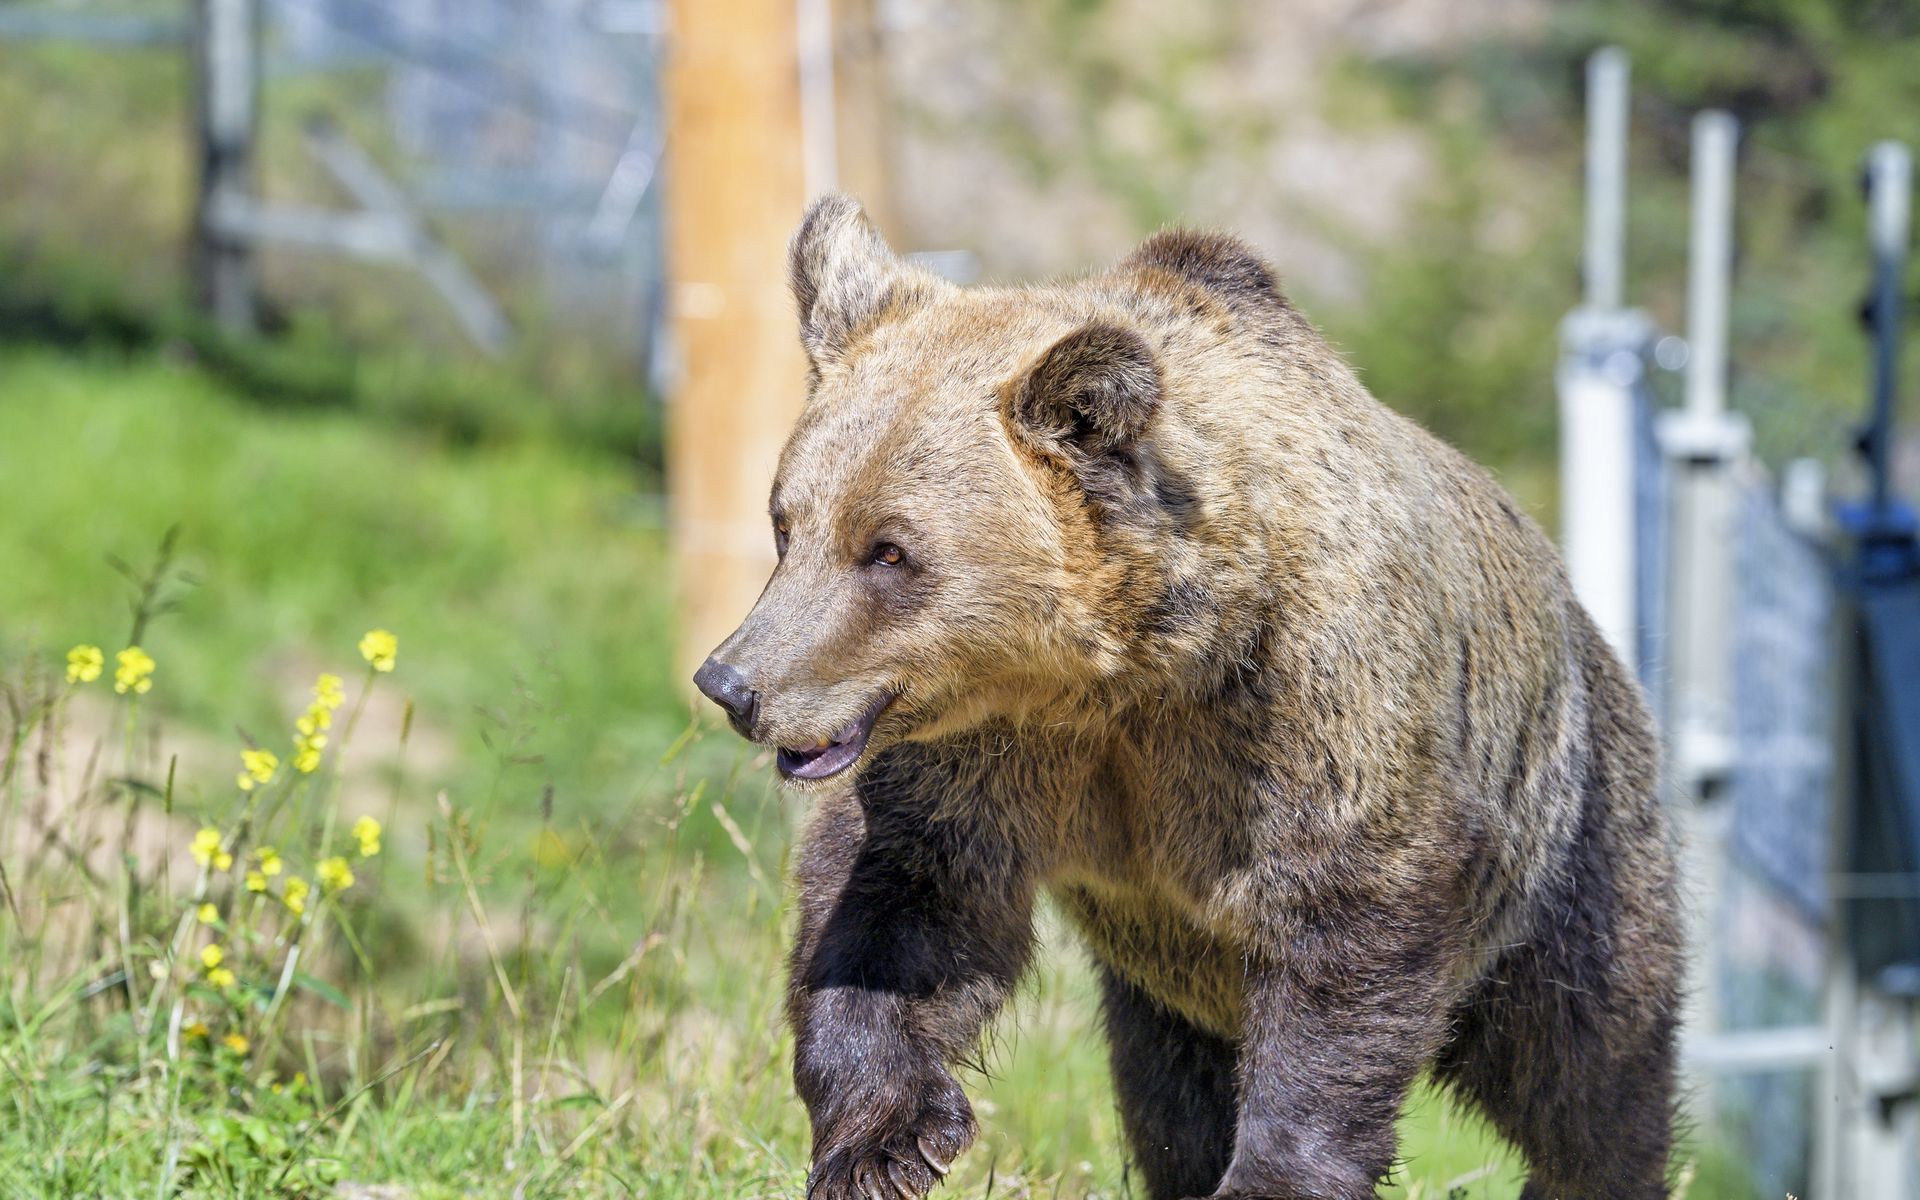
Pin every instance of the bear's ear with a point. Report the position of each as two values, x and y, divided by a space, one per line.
1090 394
842 272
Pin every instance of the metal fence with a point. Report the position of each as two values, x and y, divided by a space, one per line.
529 130
1771 925
534 123
1681 546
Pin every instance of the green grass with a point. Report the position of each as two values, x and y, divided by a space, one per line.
520 575
575 905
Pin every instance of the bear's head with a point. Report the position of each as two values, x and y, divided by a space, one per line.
963 512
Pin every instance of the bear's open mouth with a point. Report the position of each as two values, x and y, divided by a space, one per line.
830 756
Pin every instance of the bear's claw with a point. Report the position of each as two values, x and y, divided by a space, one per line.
940 1166
901 1165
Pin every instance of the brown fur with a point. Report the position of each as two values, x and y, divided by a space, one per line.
1280 698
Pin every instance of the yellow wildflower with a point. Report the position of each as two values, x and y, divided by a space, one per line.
295 895
84 663
220 977
196 1030
379 648
335 875
327 692
212 955
315 720
208 914
222 860
256 882
257 766
366 831
134 672
270 864
206 844
306 751
236 1042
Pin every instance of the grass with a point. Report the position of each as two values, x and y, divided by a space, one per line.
561 972
526 573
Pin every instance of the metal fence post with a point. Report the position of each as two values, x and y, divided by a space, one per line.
1603 262
1603 350
226 115
1704 445
1705 450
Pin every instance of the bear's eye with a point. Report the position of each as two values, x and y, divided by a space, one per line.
780 537
886 554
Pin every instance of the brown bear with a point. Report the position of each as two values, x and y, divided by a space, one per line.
1126 590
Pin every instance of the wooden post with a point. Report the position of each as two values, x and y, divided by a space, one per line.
226 115
735 192
861 104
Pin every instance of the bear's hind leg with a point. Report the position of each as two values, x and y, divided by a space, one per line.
1174 1082
1567 1045
1591 1115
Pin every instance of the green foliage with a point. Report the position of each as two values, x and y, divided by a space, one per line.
1463 344
1125 120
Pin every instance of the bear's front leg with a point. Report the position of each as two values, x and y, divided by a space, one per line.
1339 1020
914 927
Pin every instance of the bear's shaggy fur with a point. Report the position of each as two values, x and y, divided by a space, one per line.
1127 590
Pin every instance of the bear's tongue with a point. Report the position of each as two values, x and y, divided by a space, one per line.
835 755
818 764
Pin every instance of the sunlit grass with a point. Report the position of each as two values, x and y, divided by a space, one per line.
527 577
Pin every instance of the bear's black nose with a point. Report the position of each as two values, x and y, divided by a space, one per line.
728 688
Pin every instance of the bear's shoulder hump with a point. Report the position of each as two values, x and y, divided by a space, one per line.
1218 263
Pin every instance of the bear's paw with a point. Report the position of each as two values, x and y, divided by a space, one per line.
899 1157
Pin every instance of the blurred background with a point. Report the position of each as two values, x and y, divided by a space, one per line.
468 320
